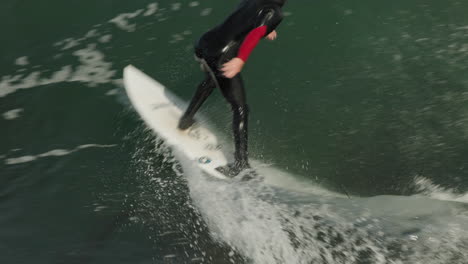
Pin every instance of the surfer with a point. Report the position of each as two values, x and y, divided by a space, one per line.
222 52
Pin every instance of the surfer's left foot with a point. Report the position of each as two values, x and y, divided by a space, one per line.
185 123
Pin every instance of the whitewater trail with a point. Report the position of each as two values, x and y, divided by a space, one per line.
268 223
426 187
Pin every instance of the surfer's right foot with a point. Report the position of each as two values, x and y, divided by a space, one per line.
185 123
230 170
234 169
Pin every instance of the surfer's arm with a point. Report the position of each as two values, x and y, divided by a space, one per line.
234 66
268 20
250 42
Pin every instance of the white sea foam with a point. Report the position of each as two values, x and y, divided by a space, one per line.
283 220
112 92
122 20
13 114
151 9
106 38
176 38
69 43
92 33
93 70
427 188
194 4
52 153
206 11
100 208
273 225
22 61
175 6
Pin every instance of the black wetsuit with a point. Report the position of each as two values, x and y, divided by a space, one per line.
220 45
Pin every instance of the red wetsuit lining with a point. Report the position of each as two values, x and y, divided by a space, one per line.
250 41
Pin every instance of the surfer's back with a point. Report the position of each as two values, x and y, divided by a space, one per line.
233 29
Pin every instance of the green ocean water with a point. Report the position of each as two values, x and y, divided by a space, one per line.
359 110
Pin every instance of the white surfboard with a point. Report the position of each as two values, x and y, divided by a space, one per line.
160 111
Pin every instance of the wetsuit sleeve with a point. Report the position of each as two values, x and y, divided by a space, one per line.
267 20
270 17
250 41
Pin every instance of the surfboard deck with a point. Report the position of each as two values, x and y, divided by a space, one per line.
161 111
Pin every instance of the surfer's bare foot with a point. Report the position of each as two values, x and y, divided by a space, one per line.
185 123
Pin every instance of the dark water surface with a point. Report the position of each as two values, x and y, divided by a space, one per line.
365 99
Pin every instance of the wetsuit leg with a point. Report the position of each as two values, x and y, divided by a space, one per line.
234 92
204 90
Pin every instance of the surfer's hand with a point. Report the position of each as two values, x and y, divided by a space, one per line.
232 67
272 36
